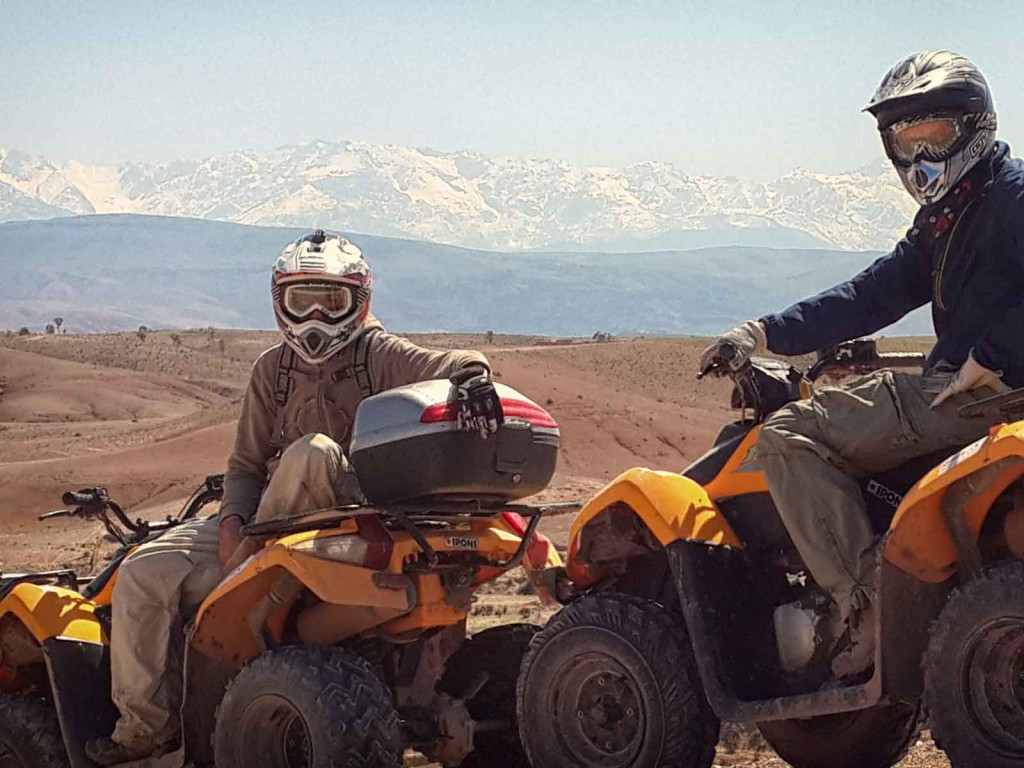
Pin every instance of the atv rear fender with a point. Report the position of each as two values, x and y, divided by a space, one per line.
640 511
936 528
247 610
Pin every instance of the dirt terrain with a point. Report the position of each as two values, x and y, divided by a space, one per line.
148 418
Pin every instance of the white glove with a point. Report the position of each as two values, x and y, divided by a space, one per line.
747 339
972 375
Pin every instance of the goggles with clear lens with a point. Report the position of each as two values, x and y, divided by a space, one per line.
933 138
332 299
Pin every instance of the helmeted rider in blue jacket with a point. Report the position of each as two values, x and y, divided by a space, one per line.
965 255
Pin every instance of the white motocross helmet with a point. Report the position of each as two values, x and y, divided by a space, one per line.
321 287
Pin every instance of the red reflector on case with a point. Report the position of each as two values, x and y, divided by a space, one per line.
515 521
537 416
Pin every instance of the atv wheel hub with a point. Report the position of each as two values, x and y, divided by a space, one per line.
600 711
276 726
992 684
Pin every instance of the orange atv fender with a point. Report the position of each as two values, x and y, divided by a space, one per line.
919 541
253 601
34 614
48 612
670 506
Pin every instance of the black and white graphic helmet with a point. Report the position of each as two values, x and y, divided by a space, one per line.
321 288
937 120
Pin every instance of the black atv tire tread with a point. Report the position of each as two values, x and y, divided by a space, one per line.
649 627
29 727
499 650
882 740
353 706
992 589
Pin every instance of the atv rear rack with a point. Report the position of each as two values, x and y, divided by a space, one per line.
404 515
998 409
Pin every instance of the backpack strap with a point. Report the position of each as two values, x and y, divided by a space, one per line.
283 385
360 369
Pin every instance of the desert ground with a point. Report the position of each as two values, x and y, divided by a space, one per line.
148 416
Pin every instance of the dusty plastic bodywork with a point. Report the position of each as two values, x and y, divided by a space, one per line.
920 541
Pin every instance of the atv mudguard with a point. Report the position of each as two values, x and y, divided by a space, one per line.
72 644
670 506
47 611
253 600
920 542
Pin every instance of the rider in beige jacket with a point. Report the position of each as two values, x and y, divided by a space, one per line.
288 458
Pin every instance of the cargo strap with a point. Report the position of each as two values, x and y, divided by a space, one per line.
285 382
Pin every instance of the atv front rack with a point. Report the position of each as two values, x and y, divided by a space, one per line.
64 577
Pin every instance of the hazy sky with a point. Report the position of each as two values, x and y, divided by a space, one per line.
751 89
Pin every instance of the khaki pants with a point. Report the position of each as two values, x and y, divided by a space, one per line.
162 583
814 451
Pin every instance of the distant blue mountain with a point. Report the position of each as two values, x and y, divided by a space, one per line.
120 271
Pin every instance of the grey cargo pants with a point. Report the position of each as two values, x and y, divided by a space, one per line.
162 583
813 452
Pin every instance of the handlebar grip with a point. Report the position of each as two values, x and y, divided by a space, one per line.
727 353
78 499
56 513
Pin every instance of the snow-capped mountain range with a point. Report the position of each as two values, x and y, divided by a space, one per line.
468 199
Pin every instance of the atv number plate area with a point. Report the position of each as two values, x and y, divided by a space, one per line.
462 542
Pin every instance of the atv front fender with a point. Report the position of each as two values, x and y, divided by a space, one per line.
47 611
670 507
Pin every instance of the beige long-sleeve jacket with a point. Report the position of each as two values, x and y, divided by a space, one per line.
321 399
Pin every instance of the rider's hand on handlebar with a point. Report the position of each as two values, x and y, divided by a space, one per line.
744 340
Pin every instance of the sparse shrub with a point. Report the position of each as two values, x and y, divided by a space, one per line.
23 331
176 339
50 329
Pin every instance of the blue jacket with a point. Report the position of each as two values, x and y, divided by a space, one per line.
964 254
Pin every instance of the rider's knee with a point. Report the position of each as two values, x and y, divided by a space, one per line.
786 428
314 447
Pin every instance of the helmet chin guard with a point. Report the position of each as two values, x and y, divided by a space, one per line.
331 286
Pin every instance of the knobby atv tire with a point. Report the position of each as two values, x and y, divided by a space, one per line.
612 681
496 655
30 734
877 737
308 708
974 671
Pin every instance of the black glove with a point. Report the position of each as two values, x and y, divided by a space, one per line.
479 404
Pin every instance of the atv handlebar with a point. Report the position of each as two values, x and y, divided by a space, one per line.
95 503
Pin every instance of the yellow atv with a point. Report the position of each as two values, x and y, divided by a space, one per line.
343 641
687 603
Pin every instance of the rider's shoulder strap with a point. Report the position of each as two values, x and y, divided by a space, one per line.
283 383
360 368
